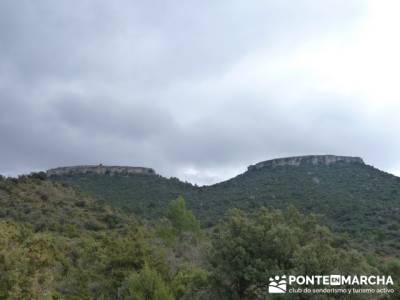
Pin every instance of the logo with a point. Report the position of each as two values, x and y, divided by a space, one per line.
277 285
331 284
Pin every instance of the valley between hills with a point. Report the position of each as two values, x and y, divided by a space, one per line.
346 194
112 232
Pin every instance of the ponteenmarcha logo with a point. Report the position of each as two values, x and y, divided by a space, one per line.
344 284
277 285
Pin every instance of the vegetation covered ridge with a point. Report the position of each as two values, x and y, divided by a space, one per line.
132 170
351 197
56 243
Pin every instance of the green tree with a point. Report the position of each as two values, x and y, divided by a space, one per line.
146 285
249 249
190 282
181 218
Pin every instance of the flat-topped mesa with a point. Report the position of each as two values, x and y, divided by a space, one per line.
100 170
324 160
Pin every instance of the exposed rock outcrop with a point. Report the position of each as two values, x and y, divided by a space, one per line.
296 161
100 170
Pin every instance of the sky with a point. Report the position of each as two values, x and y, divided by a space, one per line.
197 89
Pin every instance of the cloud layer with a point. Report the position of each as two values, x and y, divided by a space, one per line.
195 89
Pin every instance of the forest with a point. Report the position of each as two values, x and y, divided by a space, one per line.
57 242
354 199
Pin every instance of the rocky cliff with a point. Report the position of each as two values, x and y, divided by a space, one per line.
296 161
100 170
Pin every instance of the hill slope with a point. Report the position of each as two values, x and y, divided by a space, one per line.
49 206
350 196
56 243
147 196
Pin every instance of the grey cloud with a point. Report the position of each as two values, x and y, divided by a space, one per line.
123 83
152 42
133 119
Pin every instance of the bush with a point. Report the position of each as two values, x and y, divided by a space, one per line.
147 284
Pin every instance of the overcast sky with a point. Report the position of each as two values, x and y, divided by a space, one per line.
197 89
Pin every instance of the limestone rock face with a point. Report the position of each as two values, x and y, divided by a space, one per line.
100 170
315 160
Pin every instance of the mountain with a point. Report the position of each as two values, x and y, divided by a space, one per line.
56 243
348 195
135 189
55 207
